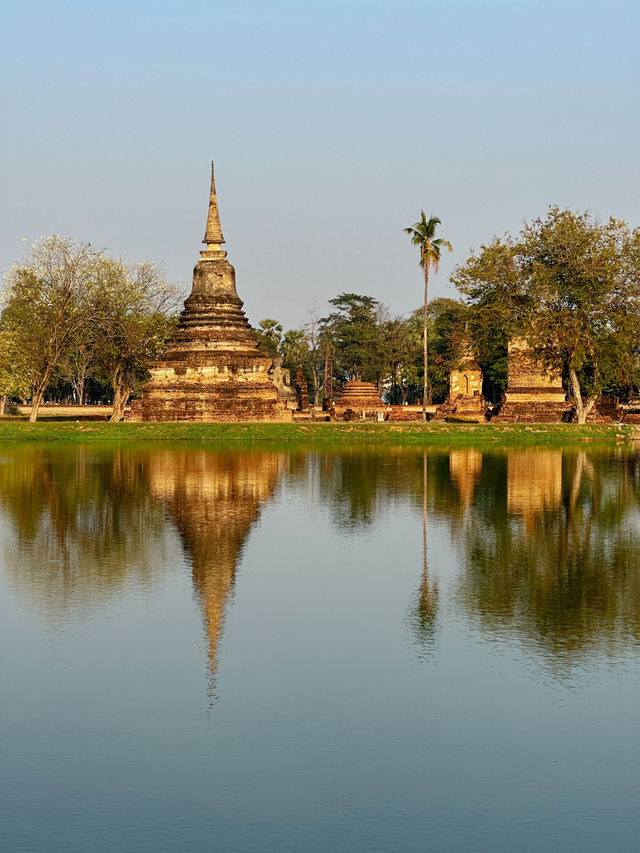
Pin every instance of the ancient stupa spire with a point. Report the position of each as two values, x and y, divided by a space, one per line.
213 235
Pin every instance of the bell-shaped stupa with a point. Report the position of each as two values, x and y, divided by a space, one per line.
211 369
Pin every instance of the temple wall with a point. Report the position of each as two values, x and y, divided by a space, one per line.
465 382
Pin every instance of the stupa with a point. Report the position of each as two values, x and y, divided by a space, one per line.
532 395
359 399
465 400
211 369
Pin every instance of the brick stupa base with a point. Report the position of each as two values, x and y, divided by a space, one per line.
358 398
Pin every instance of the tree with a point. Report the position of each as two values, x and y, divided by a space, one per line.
449 335
14 375
79 362
571 286
49 297
403 351
354 329
269 332
422 234
316 352
136 313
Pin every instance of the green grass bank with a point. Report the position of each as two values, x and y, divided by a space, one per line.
322 434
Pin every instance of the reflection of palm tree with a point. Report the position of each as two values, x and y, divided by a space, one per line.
426 611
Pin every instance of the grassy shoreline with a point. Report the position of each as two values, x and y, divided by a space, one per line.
321 434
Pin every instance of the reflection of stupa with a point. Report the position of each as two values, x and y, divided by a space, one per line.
464 469
534 482
214 499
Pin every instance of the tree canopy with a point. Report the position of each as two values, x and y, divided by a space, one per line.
570 285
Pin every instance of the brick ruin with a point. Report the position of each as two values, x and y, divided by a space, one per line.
302 390
465 400
531 395
360 400
211 369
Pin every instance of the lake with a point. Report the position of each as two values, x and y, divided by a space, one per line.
364 650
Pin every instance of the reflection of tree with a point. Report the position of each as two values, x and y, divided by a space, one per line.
426 608
554 555
361 486
214 499
82 521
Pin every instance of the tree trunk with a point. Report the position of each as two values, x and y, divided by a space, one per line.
583 406
38 395
79 386
424 339
3 403
121 396
36 400
316 385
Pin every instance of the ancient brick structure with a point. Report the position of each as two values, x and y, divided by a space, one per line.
359 399
631 411
211 369
465 400
531 395
606 410
302 390
405 414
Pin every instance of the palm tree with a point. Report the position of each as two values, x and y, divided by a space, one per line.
422 234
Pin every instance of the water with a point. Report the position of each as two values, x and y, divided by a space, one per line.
358 651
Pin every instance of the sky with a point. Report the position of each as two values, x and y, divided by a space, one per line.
332 124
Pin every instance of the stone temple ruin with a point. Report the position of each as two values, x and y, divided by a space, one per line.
211 369
359 400
465 400
531 395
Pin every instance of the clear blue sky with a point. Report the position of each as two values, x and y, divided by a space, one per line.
331 124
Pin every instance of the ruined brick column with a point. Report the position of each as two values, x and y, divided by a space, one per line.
211 369
531 395
302 390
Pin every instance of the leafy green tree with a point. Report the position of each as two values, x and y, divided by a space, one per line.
294 349
136 312
79 363
269 333
449 336
49 298
14 374
571 286
354 330
422 234
403 348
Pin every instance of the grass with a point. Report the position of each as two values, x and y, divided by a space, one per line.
324 435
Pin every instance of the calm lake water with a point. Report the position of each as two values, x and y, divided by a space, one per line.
368 650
